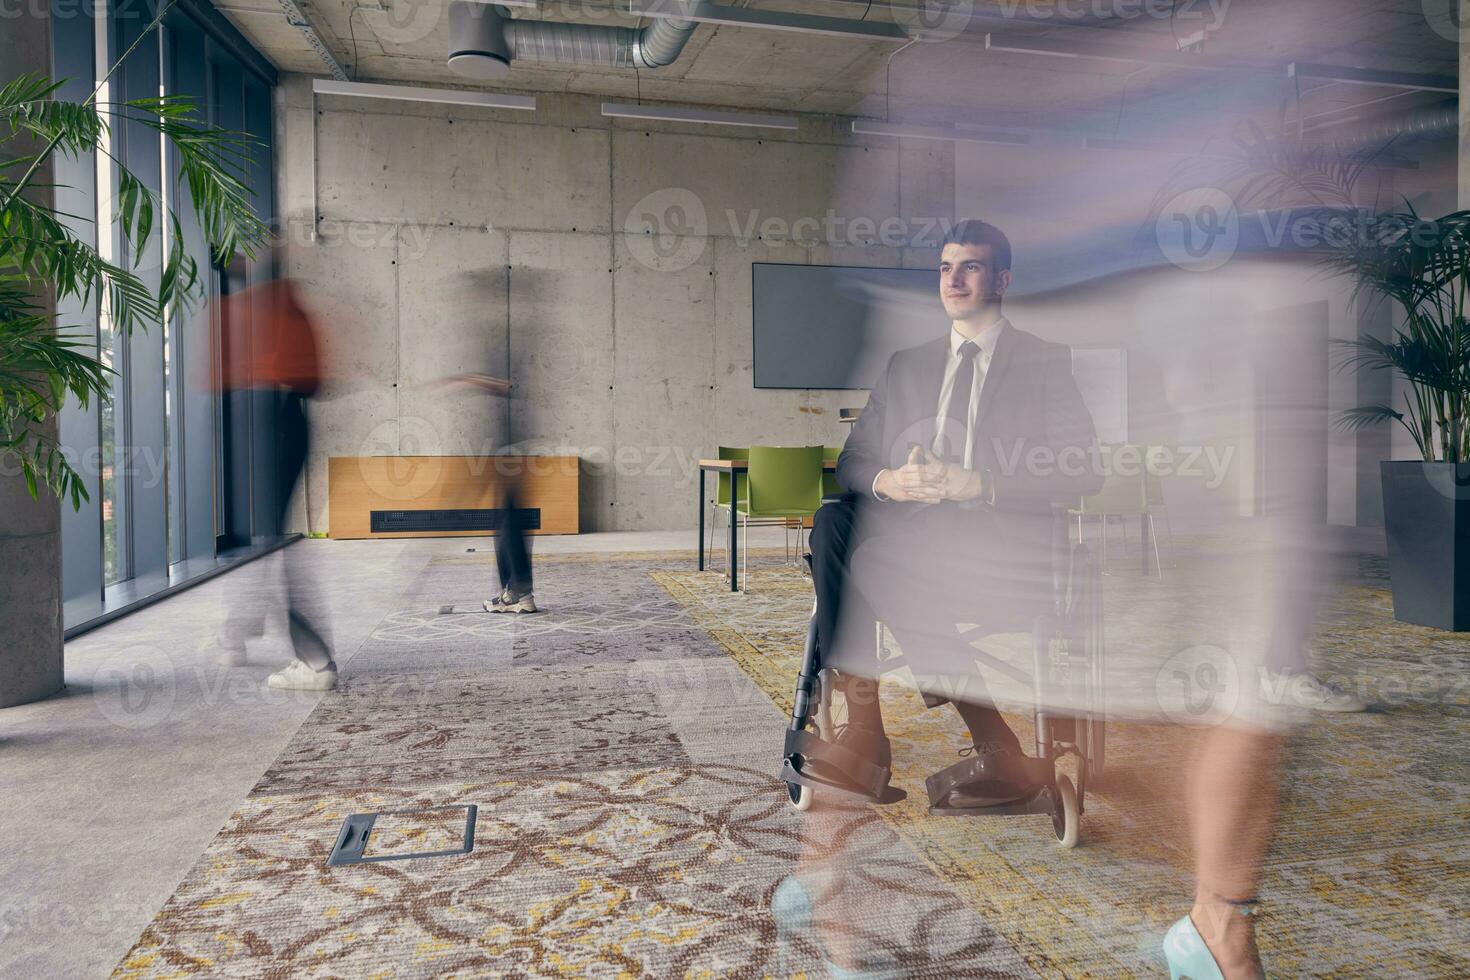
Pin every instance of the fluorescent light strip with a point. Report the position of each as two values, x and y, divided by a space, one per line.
419 93
776 20
1177 148
1055 48
1166 147
945 134
623 110
1371 76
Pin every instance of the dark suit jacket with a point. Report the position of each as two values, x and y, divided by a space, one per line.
1033 437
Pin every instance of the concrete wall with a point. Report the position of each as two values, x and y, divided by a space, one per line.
604 265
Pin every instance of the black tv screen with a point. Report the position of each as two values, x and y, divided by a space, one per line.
835 326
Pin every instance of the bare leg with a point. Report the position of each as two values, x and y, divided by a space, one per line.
1232 810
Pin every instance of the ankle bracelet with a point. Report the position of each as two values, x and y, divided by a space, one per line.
1248 907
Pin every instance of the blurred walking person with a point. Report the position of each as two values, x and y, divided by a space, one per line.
271 351
512 553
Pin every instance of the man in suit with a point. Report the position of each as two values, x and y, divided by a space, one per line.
951 473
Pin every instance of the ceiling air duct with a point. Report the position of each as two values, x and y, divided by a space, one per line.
483 42
477 46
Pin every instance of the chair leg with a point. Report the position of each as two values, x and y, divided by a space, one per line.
709 548
1158 561
1168 534
744 555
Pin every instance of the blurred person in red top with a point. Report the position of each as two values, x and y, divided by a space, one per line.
270 348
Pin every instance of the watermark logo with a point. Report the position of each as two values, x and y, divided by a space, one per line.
1199 230
1444 17
1199 685
933 21
404 21
560 357
1446 479
135 688
1191 15
839 231
666 230
402 458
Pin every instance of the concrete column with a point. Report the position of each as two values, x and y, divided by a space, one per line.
1464 104
30 530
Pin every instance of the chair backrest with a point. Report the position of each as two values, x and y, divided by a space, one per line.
784 481
722 484
1153 484
830 486
1120 494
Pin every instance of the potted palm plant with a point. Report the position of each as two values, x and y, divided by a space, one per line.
1423 267
42 261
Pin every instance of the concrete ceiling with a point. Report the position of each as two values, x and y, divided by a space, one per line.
406 41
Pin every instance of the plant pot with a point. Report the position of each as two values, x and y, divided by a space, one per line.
1426 514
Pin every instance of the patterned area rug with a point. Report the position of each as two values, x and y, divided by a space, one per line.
1369 873
622 749
629 820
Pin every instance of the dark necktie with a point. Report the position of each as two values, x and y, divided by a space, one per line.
957 428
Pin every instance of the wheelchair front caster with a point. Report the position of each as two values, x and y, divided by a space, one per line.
800 796
1064 815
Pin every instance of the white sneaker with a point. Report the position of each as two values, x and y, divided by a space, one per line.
1308 691
508 603
297 676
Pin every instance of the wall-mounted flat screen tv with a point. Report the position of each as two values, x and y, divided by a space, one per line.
835 326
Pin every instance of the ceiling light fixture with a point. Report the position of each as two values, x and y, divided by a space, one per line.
777 20
419 93
1372 76
1106 51
947 134
624 110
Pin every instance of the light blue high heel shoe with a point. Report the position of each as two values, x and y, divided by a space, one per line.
792 908
1187 953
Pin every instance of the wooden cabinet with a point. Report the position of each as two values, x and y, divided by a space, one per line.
447 496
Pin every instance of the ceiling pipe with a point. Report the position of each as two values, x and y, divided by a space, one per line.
1432 121
483 42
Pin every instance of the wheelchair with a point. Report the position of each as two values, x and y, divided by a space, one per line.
1067 667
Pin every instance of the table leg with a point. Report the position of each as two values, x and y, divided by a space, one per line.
701 518
734 521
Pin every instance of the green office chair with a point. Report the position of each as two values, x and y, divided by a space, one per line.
830 487
722 500
785 484
1120 496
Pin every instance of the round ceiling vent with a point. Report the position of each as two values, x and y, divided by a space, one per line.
477 47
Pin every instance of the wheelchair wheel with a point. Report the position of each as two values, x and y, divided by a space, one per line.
1065 818
800 796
